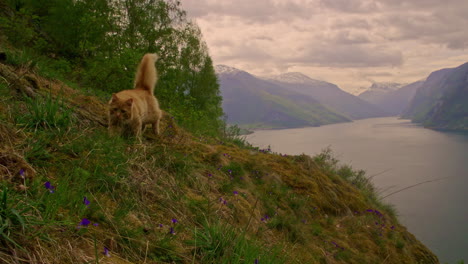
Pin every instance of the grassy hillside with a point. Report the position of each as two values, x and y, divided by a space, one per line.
72 194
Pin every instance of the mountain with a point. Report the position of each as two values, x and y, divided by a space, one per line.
256 103
328 94
393 98
442 100
377 91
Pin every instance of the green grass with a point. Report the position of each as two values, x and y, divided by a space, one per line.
221 243
46 113
134 188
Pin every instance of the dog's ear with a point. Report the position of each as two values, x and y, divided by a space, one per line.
129 102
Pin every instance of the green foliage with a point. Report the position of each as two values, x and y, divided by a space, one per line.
326 161
15 217
46 113
99 44
220 243
233 133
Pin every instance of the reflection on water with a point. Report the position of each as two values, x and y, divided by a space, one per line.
399 154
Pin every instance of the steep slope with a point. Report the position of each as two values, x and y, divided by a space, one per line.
441 101
73 194
328 94
253 102
393 98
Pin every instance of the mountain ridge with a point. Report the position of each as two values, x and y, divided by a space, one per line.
440 102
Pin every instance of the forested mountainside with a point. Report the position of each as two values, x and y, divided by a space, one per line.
441 101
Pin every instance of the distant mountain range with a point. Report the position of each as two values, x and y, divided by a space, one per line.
256 103
327 94
442 100
296 100
287 100
393 98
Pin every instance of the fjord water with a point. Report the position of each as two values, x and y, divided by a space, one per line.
398 154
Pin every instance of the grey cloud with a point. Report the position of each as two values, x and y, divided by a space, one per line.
351 56
434 28
421 4
357 23
349 37
351 6
246 52
258 11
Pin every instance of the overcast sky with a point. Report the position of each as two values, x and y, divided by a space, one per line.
351 43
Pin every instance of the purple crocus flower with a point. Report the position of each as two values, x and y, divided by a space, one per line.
106 252
84 222
49 186
171 231
86 201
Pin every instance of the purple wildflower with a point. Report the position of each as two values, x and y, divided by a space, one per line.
106 252
95 224
49 186
171 231
86 201
256 261
21 173
84 222
174 220
160 225
235 192
370 210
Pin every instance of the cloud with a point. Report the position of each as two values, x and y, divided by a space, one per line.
351 6
258 11
351 56
400 37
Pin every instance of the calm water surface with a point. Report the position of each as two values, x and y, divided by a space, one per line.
400 154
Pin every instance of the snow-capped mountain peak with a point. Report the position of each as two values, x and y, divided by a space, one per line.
292 77
385 86
224 69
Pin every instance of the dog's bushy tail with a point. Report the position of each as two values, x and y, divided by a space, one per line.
146 75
